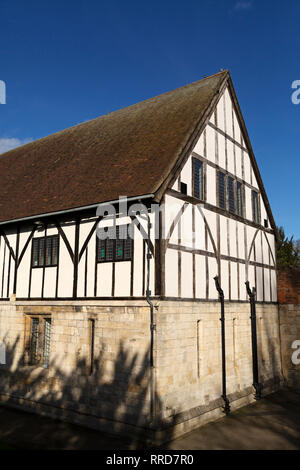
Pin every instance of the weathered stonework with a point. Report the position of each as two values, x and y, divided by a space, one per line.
290 332
123 394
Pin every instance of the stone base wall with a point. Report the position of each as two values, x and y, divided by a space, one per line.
123 395
290 333
189 368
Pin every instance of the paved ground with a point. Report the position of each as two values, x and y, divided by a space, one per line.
272 423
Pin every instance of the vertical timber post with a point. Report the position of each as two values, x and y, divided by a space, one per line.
257 386
226 407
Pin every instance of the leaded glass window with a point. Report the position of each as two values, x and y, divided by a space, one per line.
222 191
239 192
117 248
198 178
231 198
45 251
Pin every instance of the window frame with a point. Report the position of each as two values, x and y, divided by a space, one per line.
233 180
114 259
42 346
195 161
225 189
242 186
256 193
44 239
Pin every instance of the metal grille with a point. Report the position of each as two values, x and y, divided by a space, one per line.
239 190
231 198
222 198
47 340
198 179
34 340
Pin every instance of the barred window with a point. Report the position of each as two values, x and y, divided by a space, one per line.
255 207
45 251
239 192
231 198
39 341
222 191
198 178
118 246
34 341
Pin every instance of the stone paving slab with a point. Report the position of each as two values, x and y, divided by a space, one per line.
270 424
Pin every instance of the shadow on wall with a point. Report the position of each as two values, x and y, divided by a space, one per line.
84 398
268 345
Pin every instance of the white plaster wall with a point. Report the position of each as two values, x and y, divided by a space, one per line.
187 275
171 280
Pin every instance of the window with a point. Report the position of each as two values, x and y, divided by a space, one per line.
266 223
255 207
222 191
183 188
231 197
118 248
39 341
198 178
239 193
45 251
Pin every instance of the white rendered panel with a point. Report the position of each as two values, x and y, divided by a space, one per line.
224 278
199 147
234 281
221 153
186 275
50 282
210 144
220 114
36 282
104 279
212 272
171 273
211 185
122 278
200 270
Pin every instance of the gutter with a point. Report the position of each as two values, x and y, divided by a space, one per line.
77 209
152 326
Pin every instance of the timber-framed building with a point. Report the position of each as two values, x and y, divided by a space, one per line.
124 334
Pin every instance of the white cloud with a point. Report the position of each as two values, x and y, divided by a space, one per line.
243 5
11 143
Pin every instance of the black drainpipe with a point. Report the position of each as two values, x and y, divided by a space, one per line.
226 407
257 386
152 324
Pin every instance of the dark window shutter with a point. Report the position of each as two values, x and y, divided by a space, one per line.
222 195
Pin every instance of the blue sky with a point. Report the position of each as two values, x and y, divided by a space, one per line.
66 62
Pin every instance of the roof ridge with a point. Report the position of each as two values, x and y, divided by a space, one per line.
112 112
